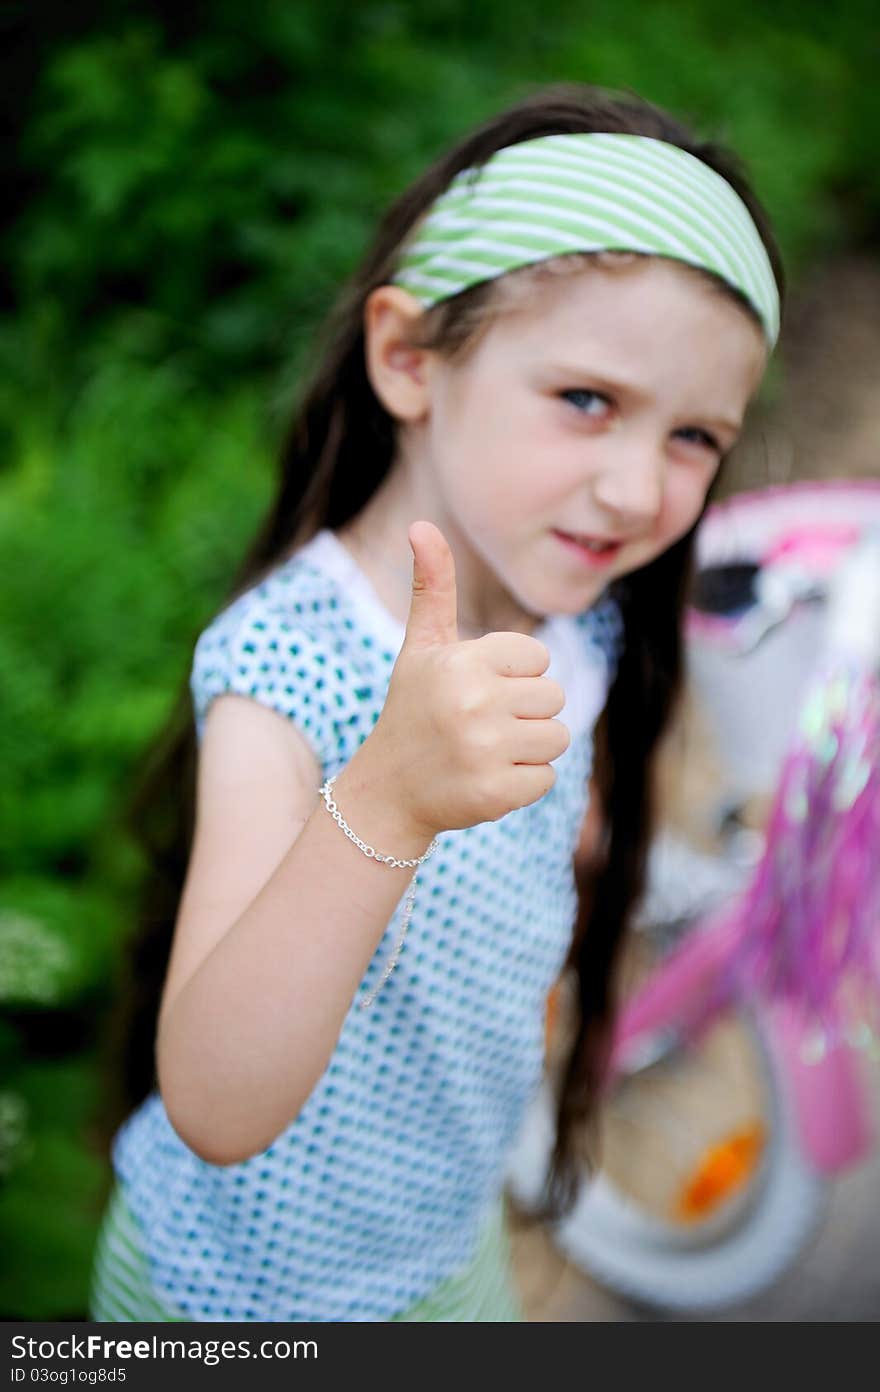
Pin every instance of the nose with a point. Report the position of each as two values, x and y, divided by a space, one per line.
630 487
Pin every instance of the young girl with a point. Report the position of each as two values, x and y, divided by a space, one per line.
483 530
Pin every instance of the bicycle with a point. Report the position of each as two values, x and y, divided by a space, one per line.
735 1064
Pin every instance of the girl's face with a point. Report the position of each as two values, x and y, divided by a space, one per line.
604 412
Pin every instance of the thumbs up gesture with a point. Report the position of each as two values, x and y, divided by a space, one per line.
466 731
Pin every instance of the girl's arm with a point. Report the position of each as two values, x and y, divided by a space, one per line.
279 918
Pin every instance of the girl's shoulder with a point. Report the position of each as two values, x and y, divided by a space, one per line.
602 626
290 641
293 597
295 593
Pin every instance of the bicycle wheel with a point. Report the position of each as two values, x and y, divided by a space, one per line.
703 1197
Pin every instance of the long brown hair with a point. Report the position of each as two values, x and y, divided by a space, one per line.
338 450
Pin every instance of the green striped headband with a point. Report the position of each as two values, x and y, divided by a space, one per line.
587 192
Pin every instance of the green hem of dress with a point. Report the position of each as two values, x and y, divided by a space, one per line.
121 1289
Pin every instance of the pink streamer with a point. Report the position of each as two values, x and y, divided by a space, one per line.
810 921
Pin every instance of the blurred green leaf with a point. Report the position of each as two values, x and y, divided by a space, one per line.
56 942
50 1206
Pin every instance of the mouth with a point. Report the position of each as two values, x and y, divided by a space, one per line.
596 550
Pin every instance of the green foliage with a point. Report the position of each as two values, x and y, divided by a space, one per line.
50 1202
197 187
56 942
112 562
225 179
111 553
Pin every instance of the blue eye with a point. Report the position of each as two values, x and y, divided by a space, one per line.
701 437
581 398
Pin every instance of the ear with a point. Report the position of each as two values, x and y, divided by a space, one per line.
398 371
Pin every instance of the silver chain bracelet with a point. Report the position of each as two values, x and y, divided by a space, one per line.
392 861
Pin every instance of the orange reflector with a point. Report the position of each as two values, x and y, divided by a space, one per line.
552 1013
722 1170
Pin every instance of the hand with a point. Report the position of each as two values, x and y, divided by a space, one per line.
466 732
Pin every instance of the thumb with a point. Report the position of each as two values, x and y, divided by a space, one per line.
433 610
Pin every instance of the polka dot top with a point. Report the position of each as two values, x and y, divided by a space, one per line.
377 1190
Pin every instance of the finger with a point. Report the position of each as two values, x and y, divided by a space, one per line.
529 783
515 654
533 698
538 741
433 610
